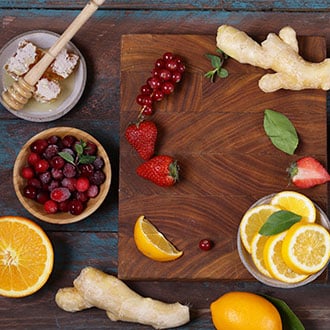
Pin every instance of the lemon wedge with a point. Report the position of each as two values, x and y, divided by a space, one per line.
152 243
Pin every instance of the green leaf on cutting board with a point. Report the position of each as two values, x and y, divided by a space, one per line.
278 222
290 321
281 131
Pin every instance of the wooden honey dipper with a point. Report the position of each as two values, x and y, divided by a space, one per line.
18 94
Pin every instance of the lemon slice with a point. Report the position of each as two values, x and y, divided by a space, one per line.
152 243
306 248
296 203
26 257
257 247
274 261
252 221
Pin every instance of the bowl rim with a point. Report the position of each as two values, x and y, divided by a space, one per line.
247 261
63 108
61 217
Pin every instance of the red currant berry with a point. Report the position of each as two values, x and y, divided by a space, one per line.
50 207
157 95
205 244
148 111
146 90
160 64
176 76
154 82
167 87
139 99
165 74
181 67
172 65
167 56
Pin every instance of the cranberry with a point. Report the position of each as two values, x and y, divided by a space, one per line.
64 206
35 182
93 191
33 158
57 174
42 196
27 172
60 194
82 184
69 170
45 177
76 207
81 196
54 139
91 148
51 207
205 244
69 183
68 141
86 169
41 166
98 177
57 162
30 192
51 151
39 146
98 163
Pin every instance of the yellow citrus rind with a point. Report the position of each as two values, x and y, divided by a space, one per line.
152 243
297 203
306 248
274 261
252 221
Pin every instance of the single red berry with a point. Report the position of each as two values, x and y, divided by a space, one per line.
41 166
51 207
60 194
27 172
39 146
205 244
33 158
82 184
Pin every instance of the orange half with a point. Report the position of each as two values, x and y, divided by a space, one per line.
26 257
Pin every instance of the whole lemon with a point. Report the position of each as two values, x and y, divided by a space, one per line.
244 311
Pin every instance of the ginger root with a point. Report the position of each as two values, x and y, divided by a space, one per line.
276 52
96 288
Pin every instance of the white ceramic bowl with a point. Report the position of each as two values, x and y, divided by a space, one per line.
37 209
73 86
252 269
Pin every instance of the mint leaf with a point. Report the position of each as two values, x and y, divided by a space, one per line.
217 62
67 157
281 131
278 222
86 159
289 319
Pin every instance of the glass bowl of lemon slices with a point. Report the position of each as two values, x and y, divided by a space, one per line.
292 248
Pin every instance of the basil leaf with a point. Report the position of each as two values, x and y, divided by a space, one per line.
278 222
289 319
79 148
281 131
66 156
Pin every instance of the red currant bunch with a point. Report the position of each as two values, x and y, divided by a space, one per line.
167 72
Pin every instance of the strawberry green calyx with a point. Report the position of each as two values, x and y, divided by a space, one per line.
174 170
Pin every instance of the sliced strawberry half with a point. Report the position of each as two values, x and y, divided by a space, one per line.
308 172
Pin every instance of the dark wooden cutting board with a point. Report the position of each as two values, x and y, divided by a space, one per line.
215 130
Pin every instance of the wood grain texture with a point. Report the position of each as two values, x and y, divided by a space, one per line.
94 240
288 5
215 130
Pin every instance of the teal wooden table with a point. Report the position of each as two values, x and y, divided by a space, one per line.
93 241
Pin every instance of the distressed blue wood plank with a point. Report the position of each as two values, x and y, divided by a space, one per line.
301 5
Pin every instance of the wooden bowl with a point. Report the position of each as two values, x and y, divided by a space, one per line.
247 261
37 209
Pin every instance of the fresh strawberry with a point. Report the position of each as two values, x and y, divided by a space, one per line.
162 170
142 137
307 172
